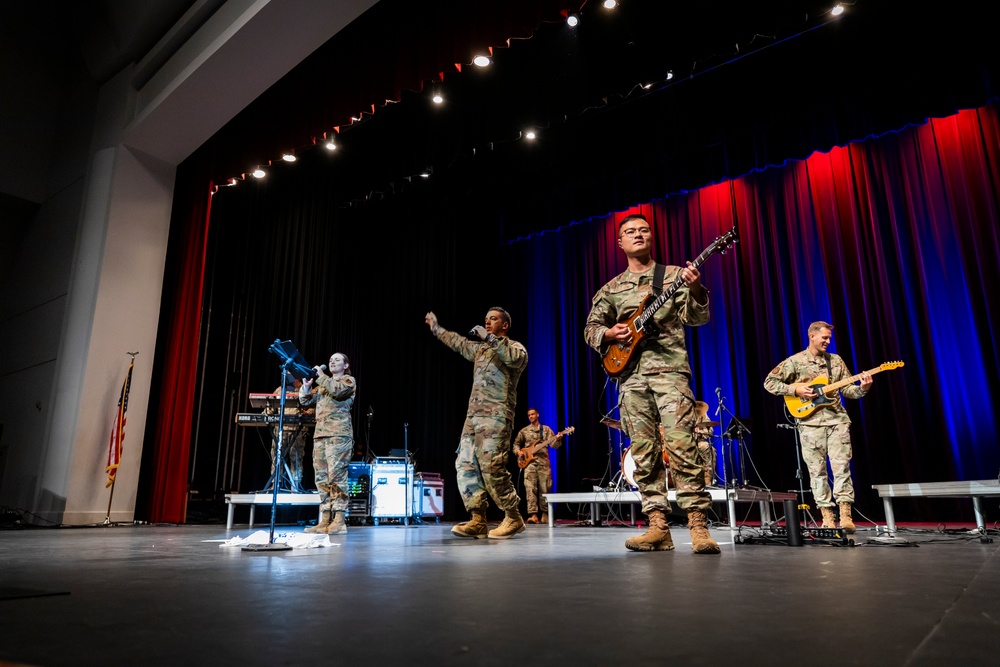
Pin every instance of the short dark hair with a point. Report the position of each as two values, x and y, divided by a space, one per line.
504 315
631 217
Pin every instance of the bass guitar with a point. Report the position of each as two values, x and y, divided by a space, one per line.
619 356
826 393
527 454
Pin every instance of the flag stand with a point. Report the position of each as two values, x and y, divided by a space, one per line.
291 362
115 447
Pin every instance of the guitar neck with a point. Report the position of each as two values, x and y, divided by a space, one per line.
665 295
846 381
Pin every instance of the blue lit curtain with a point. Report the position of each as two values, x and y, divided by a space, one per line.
894 240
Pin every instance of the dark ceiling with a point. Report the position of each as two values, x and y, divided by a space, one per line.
755 83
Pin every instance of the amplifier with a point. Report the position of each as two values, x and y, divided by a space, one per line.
428 495
359 488
392 486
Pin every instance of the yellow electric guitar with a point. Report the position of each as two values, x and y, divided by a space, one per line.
527 454
826 393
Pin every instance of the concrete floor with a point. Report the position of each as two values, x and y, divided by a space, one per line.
395 594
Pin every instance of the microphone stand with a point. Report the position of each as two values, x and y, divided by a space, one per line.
740 430
798 471
291 359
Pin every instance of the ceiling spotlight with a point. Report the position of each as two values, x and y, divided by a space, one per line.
258 173
288 157
481 61
670 74
609 4
838 10
647 86
572 20
437 99
425 174
530 134
330 145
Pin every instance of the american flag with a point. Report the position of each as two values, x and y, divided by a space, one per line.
118 430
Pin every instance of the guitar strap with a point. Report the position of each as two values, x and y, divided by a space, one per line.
658 271
829 370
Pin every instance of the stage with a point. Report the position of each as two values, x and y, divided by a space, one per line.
569 594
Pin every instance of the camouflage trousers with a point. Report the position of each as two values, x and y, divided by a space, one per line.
481 464
818 443
331 461
537 481
646 402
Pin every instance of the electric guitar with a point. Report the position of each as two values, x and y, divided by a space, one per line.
826 393
527 454
620 355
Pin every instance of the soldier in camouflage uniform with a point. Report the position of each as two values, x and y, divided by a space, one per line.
333 440
825 432
703 435
538 473
482 451
656 389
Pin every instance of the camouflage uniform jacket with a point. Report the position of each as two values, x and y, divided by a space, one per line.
620 299
529 435
333 398
498 364
802 367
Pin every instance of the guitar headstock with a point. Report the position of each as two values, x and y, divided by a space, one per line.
725 242
567 431
890 365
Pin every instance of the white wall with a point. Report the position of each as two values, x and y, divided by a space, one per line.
87 277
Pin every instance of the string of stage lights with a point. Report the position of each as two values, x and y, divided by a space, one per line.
434 90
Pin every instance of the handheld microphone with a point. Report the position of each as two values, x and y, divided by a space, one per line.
472 334
315 373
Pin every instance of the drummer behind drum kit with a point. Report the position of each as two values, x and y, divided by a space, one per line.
628 463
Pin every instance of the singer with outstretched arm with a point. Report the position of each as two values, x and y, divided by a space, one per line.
333 440
481 464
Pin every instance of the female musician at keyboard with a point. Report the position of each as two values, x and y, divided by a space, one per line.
333 440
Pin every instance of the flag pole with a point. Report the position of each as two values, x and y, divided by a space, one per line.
119 428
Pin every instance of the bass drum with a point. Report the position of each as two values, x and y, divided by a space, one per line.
628 468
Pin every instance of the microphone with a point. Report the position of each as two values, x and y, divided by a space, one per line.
371 413
472 334
315 372
718 392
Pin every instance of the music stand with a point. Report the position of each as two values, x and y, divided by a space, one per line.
292 363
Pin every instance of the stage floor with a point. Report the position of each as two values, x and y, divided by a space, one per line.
394 594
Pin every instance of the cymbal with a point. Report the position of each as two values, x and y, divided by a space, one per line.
613 423
709 424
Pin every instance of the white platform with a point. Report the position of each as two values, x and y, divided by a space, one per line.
254 499
728 496
976 489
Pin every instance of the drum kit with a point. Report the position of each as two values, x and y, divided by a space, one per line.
703 431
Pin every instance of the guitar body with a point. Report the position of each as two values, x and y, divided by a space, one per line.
619 357
826 393
803 407
527 454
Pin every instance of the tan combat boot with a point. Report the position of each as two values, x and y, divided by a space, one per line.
476 527
511 525
339 523
701 541
829 520
324 523
532 519
846 522
657 536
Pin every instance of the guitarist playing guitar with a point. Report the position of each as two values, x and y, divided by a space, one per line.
531 447
825 431
642 314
